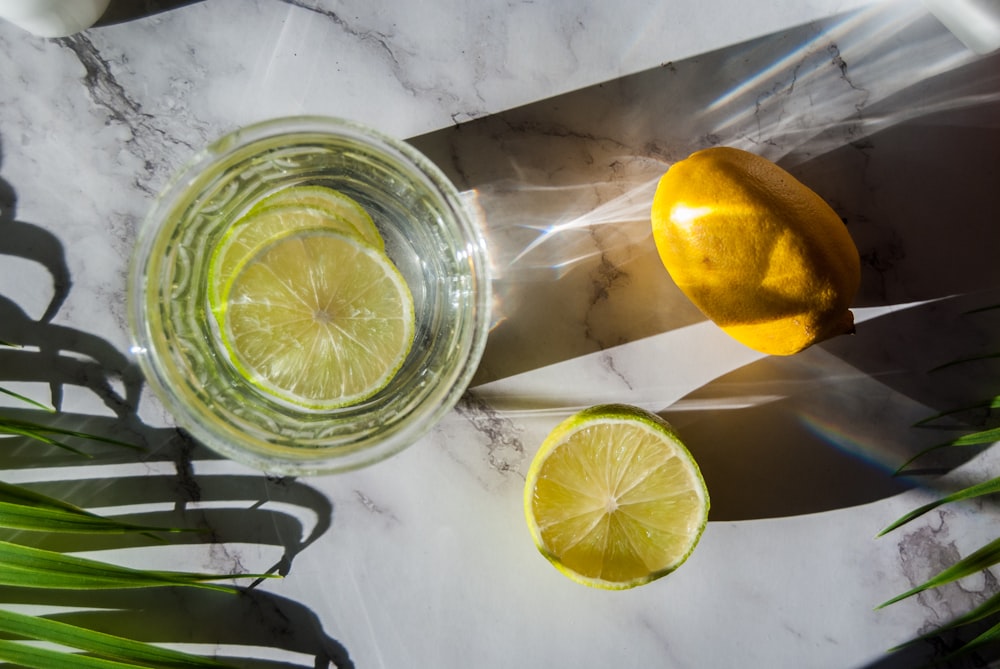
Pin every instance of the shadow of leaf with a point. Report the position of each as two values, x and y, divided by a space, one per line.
826 428
940 652
804 442
93 363
565 184
275 518
245 627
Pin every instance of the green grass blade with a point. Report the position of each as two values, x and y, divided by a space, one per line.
993 403
23 566
98 643
981 437
38 519
988 488
16 494
43 430
985 557
965 359
988 608
989 636
989 307
974 439
7 427
33 657
21 496
27 400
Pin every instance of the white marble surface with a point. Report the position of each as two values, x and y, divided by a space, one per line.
560 115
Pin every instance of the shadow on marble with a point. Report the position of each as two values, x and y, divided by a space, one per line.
224 512
234 624
565 184
941 652
157 486
121 11
154 485
57 355
32 242
899 135
827 428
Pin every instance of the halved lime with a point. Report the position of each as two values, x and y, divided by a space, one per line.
613 498
329 200
318 318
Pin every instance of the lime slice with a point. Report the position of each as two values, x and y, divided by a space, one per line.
258 228
329 200
318 319
613 498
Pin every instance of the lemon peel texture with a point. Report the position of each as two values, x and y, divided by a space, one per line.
757 251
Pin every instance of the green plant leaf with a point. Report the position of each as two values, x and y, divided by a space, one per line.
11 393
23 566
16 494
34 657
15 429
28 400
982 437
988 488
39 519
974 439
48 429
104 645
989 307
25 497
41 433
985 557
993 403
989 636
988 608
979 560
965 359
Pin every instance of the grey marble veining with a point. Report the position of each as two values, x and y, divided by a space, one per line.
557 118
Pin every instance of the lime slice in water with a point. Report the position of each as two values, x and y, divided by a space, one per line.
613 498
329 200
258 228
318 318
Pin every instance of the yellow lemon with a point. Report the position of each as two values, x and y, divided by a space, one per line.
759 253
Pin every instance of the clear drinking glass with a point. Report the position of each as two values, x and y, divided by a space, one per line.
430 234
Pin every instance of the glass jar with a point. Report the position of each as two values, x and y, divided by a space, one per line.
430 234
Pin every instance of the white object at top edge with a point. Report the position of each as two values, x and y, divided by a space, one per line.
53 18
975 22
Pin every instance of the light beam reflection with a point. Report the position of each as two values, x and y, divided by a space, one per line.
788 97
565 185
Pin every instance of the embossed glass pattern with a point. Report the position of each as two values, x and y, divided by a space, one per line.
429 234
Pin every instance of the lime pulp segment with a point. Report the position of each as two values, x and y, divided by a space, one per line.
614 499
251 232
318 318
333 202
